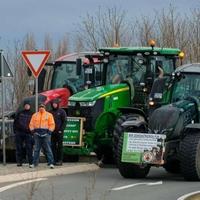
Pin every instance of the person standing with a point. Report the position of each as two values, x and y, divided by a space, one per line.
57 135
42 125
23 135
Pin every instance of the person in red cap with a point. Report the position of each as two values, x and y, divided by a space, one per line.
57 135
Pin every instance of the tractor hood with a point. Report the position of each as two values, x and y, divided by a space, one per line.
46 97
171 119
99 92
60 93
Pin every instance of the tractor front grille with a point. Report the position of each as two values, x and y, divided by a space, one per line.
88 112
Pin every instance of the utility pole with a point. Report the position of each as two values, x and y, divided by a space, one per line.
2 107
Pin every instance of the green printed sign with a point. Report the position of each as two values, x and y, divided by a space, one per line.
73 131
129 156
143 148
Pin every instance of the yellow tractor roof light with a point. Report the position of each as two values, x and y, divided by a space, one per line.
152 43
181 55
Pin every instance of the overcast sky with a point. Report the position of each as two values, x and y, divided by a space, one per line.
58 17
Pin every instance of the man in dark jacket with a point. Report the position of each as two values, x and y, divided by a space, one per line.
23 134
57 136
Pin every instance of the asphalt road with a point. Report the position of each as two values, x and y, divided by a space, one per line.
103 184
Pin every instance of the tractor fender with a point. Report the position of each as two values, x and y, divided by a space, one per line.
192 128
105 121
131 110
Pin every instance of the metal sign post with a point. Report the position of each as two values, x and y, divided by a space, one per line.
2 108
36 94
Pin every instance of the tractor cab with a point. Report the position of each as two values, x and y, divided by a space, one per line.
138 67
67 75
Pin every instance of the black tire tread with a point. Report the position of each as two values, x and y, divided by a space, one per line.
118 130
127 170
189 155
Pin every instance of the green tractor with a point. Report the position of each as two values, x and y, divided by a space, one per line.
172 136
126 75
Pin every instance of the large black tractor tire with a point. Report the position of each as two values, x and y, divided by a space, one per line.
118 130
172 166
129 170
190 157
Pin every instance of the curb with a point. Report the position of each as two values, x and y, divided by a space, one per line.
34 173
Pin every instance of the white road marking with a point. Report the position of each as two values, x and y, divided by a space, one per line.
187 195
136 184
2 189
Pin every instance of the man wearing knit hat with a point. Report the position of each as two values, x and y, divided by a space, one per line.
57 135
23 135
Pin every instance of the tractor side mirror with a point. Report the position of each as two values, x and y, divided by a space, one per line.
78 66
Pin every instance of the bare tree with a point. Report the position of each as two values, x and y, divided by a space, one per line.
171 28
145 30
21 79
167 27
107 28
62 47
78 44
48 45
194 36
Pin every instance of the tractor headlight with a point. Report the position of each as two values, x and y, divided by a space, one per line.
88 103
71 103
151 102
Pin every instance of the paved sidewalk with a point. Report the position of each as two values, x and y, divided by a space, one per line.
11 172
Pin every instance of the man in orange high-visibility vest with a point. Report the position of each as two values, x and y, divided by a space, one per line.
42 125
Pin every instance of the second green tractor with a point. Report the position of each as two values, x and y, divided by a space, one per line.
95 115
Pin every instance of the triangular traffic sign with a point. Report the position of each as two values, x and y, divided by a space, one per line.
35 60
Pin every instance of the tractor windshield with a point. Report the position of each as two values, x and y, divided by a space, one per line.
168 64
65 74
135 66
122 67
189 85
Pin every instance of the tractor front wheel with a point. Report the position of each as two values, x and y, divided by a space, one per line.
118 131
190 157
129 170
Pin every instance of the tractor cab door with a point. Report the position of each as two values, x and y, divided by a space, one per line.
89 75
45 77
156 94
92 75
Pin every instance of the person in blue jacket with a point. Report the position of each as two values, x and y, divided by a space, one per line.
57 136
23 134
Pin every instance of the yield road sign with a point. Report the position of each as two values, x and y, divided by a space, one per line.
35 60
